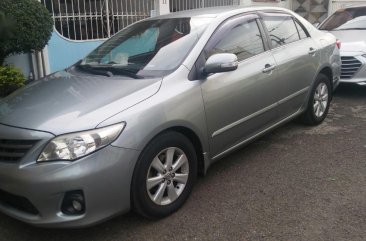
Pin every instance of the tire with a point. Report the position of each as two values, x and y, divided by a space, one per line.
319 101
147 197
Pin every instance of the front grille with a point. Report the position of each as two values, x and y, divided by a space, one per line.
350 65
14 150
17 202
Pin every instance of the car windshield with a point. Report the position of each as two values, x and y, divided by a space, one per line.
346 19
147 48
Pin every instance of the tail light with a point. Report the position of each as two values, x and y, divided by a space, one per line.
338 44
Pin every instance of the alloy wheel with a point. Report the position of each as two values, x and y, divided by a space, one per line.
320 102
167 176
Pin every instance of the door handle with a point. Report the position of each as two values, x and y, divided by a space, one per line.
312 51
268 68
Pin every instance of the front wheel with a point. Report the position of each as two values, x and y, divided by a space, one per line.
164 175
319 101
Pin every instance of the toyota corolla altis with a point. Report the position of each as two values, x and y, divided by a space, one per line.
131 125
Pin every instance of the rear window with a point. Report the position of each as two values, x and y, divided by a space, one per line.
301 30
346 19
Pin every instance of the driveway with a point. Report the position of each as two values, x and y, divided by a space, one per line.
296 183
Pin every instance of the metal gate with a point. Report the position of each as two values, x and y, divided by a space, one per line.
96 19
181 5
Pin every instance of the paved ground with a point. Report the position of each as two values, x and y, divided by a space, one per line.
297 183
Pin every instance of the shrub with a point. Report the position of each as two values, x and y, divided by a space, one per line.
11 78
28 26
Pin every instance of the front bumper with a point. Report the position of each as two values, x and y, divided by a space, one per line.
353 71
104 177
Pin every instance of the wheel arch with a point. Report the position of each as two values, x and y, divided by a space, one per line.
137 203
307 117
327 70
193 137
195 140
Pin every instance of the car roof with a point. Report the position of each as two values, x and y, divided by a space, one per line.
357 5
214 11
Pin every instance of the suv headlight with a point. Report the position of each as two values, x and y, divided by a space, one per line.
364 55
75 145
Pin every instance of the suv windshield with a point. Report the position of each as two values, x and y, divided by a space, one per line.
147 48
346 19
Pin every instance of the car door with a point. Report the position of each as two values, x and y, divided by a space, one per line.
240 103
296 57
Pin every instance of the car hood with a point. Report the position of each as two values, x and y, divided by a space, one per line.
63 102
352 40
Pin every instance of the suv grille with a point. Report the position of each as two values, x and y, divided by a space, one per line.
17 202
14 150
350 65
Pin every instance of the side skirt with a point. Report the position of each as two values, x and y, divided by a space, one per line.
210 161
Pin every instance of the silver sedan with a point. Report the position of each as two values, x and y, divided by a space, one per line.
132 125
349 26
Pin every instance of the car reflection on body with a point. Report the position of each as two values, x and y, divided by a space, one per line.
133 124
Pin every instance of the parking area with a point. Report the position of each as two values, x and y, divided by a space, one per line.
296 183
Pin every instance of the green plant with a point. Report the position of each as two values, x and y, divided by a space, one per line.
11 78
26 26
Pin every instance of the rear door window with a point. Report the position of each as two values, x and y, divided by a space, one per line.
301 30
281 29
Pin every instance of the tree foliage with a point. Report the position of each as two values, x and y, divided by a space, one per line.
6 27
25 26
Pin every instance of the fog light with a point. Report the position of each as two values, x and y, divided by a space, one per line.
73 203
77 205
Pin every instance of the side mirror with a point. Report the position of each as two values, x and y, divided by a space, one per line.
219 63
316 24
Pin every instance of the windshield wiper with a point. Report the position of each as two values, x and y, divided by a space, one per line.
108 70
126 72
90 69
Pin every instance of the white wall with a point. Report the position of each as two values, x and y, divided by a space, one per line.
21 61
162 7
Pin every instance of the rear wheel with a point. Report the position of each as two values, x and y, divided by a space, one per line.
319 101
164 175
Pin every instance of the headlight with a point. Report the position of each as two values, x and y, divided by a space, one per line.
364 55
75 145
